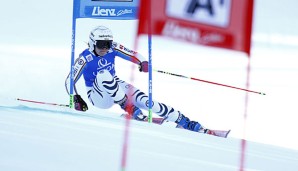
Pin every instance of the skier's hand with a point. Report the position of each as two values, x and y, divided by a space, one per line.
79 103
143 67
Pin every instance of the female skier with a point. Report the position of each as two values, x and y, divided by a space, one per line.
104 88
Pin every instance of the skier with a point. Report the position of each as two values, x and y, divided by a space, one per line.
104 88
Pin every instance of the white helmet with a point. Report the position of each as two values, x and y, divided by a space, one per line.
99 33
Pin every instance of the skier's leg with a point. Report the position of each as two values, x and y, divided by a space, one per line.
98 96
141 100
106 91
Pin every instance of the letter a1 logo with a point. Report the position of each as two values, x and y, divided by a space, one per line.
211 12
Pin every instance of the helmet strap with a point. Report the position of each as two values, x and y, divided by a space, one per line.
94 51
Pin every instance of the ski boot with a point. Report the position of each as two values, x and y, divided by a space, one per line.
133 111
184 122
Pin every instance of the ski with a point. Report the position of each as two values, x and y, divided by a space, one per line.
155 120
218 133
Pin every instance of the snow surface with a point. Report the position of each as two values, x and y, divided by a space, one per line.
38 138
35 60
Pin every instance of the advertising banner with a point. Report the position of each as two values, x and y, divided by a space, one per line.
107 9
218 23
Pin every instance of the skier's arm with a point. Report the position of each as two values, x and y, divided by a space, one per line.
79 65
78 70
131 56
67 85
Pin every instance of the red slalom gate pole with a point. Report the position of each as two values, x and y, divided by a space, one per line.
45 103
210 82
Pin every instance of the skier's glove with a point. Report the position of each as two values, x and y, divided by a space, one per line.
79 103
143 67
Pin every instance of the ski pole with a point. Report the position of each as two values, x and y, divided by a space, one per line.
45 103
196 79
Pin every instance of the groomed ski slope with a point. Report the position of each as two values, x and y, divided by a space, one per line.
41 138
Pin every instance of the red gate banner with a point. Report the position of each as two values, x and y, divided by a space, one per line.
219 23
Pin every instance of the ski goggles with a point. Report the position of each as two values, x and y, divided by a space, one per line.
104 44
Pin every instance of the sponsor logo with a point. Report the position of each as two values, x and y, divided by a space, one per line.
104 64
127 50
97 11
172 29
89 57
121 47
75 71
81 62
125 11
147 103
212 38
105 36
78 65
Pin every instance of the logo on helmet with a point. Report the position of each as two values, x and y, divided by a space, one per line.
105 36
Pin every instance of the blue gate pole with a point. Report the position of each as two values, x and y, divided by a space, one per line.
73 43
150 61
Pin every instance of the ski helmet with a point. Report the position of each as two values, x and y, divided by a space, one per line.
100 36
